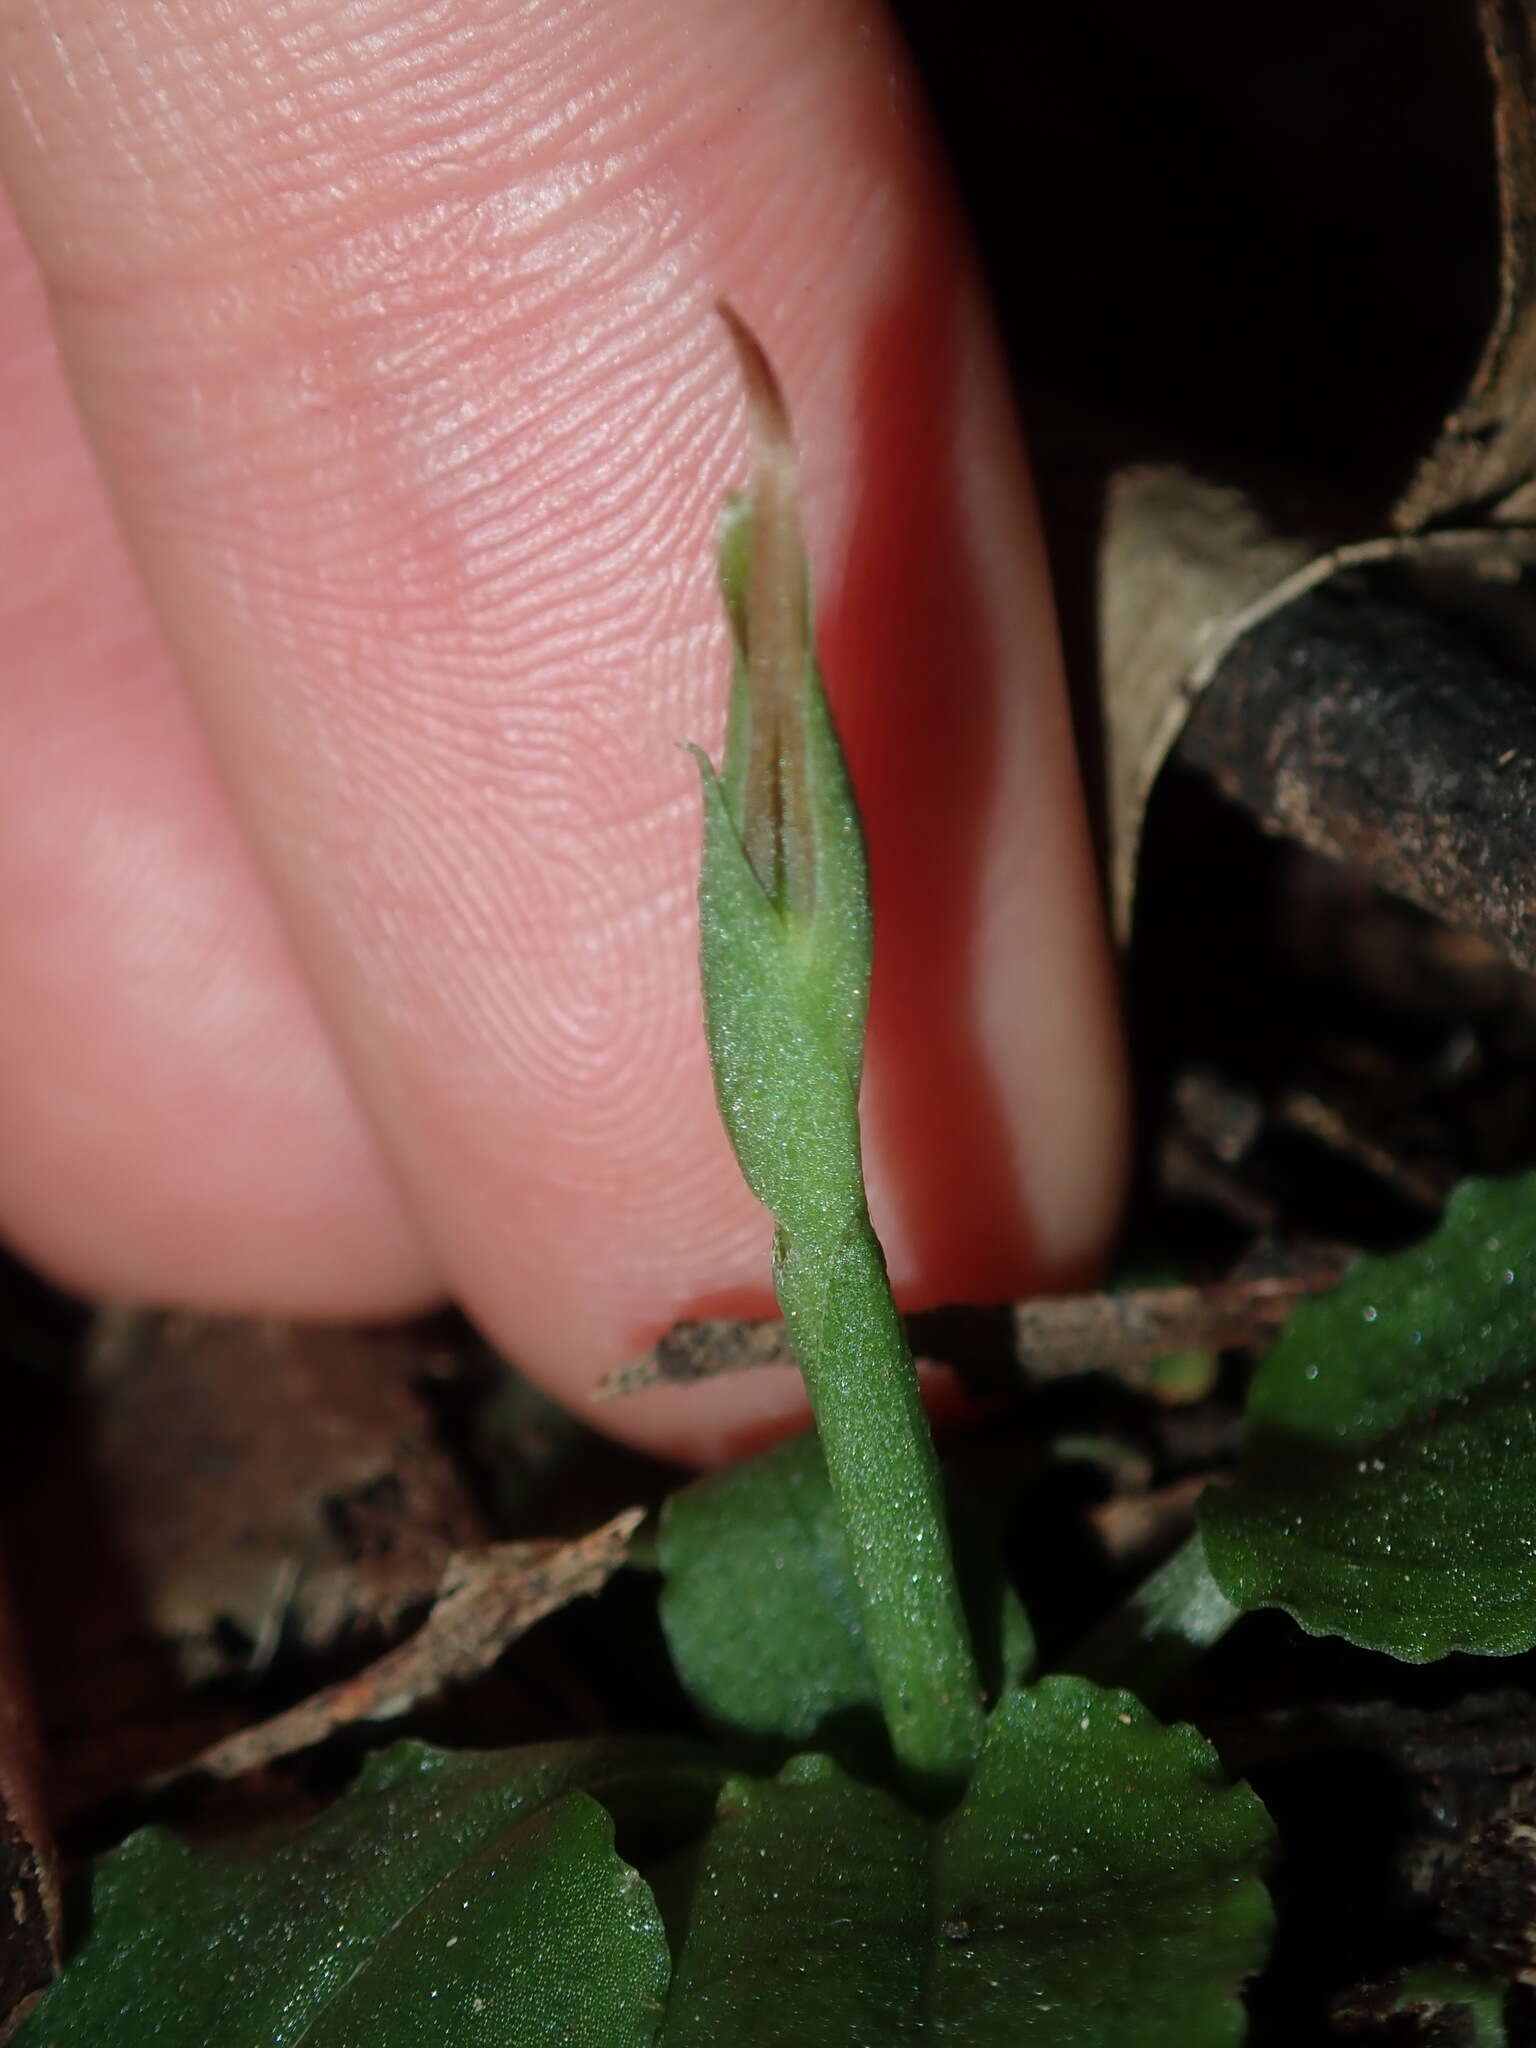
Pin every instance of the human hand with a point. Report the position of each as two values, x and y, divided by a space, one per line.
346 897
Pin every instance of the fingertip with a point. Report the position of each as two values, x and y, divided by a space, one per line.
422 470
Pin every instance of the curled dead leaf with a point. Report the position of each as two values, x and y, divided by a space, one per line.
1188 566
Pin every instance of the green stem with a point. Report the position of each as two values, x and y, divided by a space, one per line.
853 1353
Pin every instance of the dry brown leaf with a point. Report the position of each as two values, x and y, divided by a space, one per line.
269 1478
1182 562
1186 566
1485 456
229 1484
1189 568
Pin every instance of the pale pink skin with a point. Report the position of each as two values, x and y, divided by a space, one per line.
347 934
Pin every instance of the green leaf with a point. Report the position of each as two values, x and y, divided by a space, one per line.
1387 1489
1097 1888
761 1612
446 1901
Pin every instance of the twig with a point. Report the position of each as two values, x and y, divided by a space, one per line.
1135 1526
1125 1333
486 1600
1488 1735
1122 1334
1303 1111
698 1351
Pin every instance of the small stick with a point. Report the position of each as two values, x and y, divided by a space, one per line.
1125 1333
1057 1338
1303 1111
1137 1525
486 1600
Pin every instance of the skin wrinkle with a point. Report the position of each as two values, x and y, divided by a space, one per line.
619 897
612 468
483 581
296 427
290 184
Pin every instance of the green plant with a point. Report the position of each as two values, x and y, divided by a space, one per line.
867 1855
785 951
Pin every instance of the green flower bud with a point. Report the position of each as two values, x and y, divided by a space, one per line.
784 892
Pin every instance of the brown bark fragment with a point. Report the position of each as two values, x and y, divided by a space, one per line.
1372 731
